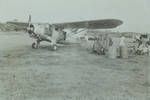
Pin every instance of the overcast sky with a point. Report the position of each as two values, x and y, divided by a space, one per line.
134 13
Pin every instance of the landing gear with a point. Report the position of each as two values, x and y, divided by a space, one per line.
34 45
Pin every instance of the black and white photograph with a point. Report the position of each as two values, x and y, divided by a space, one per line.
74 49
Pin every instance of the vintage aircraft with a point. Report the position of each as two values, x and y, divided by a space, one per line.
54 33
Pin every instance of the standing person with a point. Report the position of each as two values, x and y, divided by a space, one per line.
122 41
123 48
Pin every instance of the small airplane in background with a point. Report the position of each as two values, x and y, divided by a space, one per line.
55 34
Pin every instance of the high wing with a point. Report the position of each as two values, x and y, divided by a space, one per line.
92 24
18 23
21 24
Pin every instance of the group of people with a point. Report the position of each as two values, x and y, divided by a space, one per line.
104 44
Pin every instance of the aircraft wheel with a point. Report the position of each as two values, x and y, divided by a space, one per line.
34 45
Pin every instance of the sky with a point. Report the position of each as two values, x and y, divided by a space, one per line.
134 13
